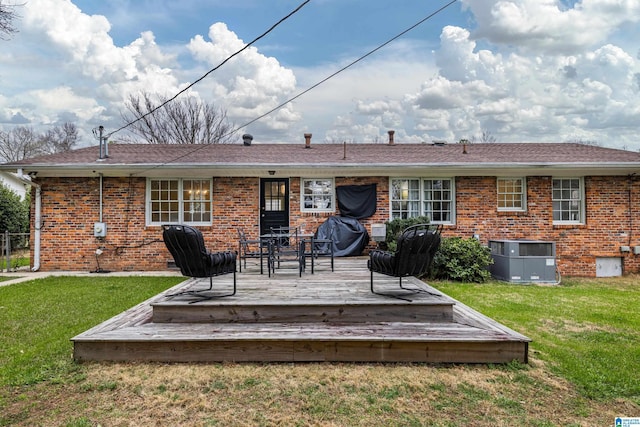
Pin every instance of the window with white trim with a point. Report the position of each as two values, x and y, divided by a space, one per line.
411 197
568 200
177 200
512 194
405 198
318 195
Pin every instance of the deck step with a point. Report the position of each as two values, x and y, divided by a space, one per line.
437 310
303 342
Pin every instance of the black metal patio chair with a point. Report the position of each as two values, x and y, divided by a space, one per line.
286 247
416 248
252 249
187 247
313 249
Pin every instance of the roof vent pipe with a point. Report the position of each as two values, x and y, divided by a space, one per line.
464 143
246 139
104 149
391 133
307 140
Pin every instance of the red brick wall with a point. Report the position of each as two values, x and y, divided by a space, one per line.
70 207
608 223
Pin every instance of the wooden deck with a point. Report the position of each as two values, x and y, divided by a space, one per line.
322 317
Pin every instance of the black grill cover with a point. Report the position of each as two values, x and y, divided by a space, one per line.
348 235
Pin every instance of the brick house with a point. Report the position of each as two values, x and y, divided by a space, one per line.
584 198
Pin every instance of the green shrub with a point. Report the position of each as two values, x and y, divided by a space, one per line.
464 260
14 211
396 227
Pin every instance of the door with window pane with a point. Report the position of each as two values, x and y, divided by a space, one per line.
274 203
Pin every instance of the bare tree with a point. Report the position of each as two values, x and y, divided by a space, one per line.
7 16
23 142
19 143
585 142
185 120
487 137
59 139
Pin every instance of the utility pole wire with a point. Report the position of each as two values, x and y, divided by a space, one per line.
371 52
212 70
317 84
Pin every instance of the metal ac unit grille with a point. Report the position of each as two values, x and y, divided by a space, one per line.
523 261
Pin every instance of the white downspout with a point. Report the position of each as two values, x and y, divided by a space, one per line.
37 223
100 198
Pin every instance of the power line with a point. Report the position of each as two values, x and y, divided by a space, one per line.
371 52
153 110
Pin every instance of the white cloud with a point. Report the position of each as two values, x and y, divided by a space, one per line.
378 107
459 60
67 27
63 98
95 71
365 101
548 26
250 84
526 95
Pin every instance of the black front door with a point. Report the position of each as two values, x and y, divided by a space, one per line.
274 203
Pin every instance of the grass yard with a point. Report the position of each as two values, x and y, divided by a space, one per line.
587 330
583 370
39 318
18 259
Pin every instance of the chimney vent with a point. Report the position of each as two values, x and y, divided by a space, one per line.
247 138
391 133
307 140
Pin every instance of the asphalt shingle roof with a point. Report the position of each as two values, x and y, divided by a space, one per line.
340 154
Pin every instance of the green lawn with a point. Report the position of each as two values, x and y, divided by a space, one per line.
40 317
588 330
585 353
18 259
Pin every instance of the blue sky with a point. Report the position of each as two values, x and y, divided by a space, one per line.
322 31
522 70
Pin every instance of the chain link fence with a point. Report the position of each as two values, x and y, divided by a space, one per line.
14 251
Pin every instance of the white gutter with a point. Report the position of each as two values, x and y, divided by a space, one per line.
37 223
246 169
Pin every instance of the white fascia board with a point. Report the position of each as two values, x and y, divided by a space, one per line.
328 169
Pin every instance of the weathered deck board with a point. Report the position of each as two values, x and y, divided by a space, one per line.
300 312
321 297
306 343
327 316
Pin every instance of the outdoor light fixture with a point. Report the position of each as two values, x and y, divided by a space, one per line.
272 172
